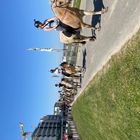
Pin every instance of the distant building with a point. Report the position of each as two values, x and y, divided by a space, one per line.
57 109
50 127
61 108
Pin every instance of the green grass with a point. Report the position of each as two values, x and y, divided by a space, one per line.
109 108
77 3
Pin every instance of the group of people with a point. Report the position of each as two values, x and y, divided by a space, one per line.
68 89
70 82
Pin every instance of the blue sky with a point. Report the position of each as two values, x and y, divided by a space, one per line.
27 90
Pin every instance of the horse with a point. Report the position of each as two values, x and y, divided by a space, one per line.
69 68
75 38
71 81
66 4
66 73
69 15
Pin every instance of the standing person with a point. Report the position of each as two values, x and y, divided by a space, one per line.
96 19
54 23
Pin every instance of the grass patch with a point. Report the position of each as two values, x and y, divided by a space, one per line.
77 3
109 108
